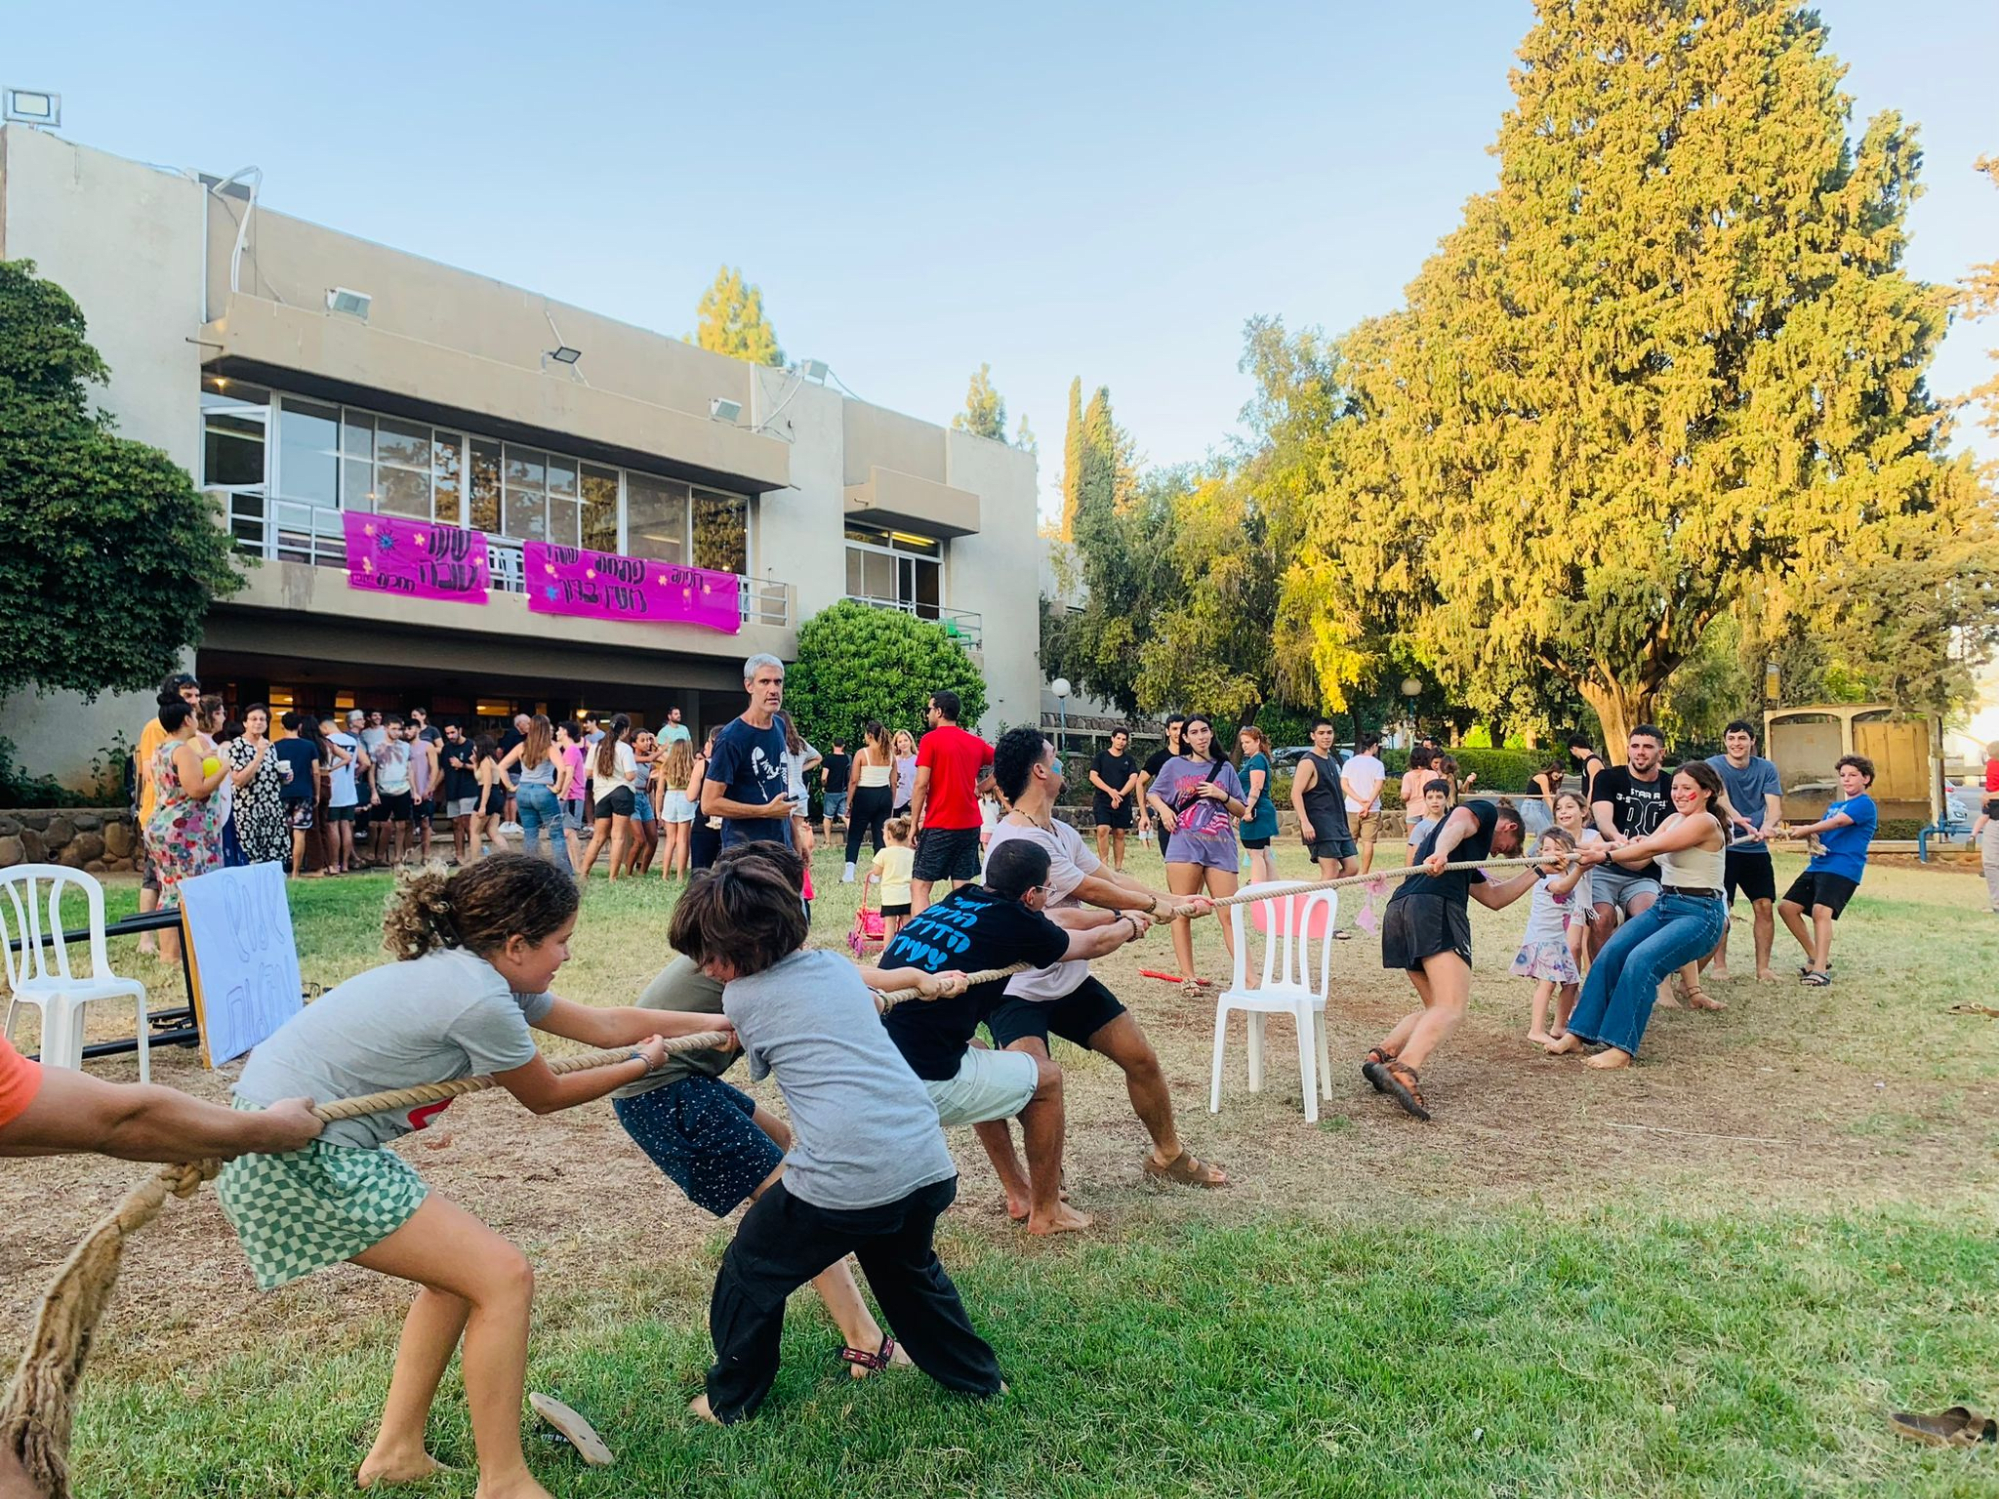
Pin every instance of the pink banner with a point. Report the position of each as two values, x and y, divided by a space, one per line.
606 586
419 560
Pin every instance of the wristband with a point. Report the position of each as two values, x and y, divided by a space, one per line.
640 1057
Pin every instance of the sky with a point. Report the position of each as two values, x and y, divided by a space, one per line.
1107 191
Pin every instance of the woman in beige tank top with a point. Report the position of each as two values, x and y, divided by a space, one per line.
1682 925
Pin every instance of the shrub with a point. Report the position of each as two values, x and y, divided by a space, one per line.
857 662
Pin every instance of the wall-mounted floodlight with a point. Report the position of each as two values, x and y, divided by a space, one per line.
723 410
355 304
813 370
562 354
33 107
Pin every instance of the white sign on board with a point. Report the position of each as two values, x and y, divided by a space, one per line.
246 978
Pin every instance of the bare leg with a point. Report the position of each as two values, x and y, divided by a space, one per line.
1223 883
1821 938
1766 934
1537 1030
149 900
1103 843
477 1283
1449 992
1794 920
1183 880
1718 960
919 896
600 835
621 832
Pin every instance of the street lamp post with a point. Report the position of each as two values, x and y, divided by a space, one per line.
1061 689
1412 689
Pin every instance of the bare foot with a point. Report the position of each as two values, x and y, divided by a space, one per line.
1065 1220
393 1466
1543 1037
1566 1043
1610 1057
1717 972
1766 976
699 1407
1667 1000
521 1483
1702 1000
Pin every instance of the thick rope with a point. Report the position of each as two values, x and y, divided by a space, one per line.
1268 892
36 1418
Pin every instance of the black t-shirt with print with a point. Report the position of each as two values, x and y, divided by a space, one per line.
970 929
1456 885
1637 808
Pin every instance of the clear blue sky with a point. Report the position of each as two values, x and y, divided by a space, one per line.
1106 190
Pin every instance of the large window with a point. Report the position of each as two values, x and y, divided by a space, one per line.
343 458
895 568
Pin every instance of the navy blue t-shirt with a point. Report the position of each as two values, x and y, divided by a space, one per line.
748 763
299 754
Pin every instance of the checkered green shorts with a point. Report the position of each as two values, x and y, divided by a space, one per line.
309 1209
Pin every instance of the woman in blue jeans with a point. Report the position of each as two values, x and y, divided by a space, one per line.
544 777
1684 923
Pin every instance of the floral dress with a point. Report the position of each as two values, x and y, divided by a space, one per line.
262 830
180 835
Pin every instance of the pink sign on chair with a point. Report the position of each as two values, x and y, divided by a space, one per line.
609 586
1315 926
417 559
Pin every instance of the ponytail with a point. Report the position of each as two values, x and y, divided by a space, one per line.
479 908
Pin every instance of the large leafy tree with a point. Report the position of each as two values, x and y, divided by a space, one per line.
1672 355
985 408
109 555
731 321
857 662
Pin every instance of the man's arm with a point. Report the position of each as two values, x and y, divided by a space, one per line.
1099 783
1605 814
1504 893
1302 781
1104 934
146 1122
715 803
625 1025
918 797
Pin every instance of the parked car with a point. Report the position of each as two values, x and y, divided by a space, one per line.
1287 757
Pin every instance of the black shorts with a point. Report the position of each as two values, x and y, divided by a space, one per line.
1076 1017
1421 926
1256 843
1335 848
1752 874
698 1131
900 909
397 807
947 854
1822 888
618 804
1117 818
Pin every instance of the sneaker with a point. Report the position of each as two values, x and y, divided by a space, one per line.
847 875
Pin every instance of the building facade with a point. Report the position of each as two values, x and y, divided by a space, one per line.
299 373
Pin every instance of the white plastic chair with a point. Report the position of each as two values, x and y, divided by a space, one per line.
1291 924
39 975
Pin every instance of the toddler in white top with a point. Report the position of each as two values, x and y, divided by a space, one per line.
1544 954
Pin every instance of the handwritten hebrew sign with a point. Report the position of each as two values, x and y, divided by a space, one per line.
246 980
608 586
416 559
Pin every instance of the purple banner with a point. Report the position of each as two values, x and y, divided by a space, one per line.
606 586
419 560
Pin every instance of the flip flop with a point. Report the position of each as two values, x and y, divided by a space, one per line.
1956 1427
1975 1010
570 1423
1815 980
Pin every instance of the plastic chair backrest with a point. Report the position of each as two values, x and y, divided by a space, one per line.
31 913
1291 924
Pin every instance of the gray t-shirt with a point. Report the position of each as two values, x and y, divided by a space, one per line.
682 986
443 1016
1746 789
1070 862
864 1129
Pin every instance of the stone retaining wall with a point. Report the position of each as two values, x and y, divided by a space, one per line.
97 839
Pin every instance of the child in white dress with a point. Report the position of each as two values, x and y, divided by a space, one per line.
1544 954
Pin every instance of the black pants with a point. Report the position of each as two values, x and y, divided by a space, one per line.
784 1242
867 810
703 844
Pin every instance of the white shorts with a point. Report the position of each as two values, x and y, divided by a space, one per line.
989 1085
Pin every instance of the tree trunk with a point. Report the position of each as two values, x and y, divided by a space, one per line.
1618 708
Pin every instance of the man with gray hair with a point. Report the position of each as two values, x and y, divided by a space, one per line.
746 786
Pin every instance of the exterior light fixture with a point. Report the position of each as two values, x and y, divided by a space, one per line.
564 355
33 107
355 304
723 410
813 370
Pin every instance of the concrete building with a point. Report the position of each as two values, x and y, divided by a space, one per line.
297 372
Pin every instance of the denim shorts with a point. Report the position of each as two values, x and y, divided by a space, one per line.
642 808
836 804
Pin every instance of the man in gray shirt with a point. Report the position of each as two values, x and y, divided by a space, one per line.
868 1171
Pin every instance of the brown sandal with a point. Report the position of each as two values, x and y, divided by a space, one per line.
1371 1065
1398 1081
1188 1170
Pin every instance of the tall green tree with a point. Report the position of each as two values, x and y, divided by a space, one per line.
1072 459
109 555
731 321
857 662
985 408
1674 353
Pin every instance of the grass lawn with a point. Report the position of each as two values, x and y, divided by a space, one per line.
1712 1274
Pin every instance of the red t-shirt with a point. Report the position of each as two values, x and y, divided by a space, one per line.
1992 776
20 1081
955 759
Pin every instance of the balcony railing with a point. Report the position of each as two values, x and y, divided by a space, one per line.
304 531
968 625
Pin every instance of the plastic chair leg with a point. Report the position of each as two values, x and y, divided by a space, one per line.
1221 1039
1308 1066
145 1036
1256 1020
1325 1055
